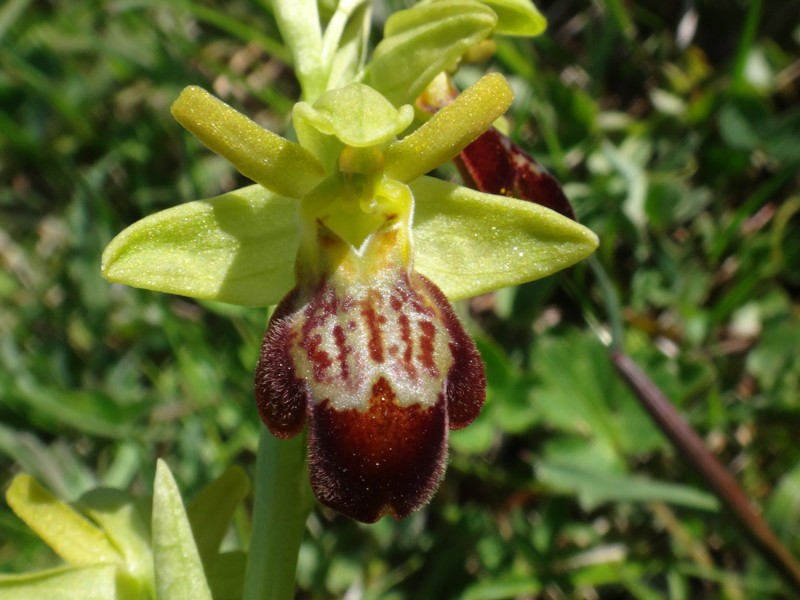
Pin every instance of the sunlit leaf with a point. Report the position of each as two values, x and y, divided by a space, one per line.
123 520
178 569
298 21
66 531
91 582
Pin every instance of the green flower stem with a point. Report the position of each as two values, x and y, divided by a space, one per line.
283 501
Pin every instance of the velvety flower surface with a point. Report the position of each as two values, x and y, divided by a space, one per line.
359 251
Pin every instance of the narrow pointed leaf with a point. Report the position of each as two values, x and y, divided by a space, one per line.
351 52
423 41
211 512
92 582
468 242
66 531
276 163
178 569
450 129
237 248
298 21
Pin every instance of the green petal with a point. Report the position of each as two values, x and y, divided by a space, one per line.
423 41
468 242
276 163
93 582
179 572
517 17
66 531
356 114
237 248
451 129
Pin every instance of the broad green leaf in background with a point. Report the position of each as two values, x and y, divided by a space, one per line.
580 393
211 511
594 487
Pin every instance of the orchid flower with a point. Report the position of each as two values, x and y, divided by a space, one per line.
359 250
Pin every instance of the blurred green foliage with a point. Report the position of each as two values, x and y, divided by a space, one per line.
675 130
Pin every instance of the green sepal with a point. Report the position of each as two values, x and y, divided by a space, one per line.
178 568
61 527
91 582
238 248
450 130
423 41
468 242
279 165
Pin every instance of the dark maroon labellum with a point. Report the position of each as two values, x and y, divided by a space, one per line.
381 373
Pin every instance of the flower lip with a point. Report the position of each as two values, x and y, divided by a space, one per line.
380 370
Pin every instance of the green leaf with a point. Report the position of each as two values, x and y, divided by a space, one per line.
121 517
517 17
238 248
298 21
595 487
178 570
345 42
423 41
211 511
451 129
94 582
226 575
468 242
783 509
67 532
279 165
